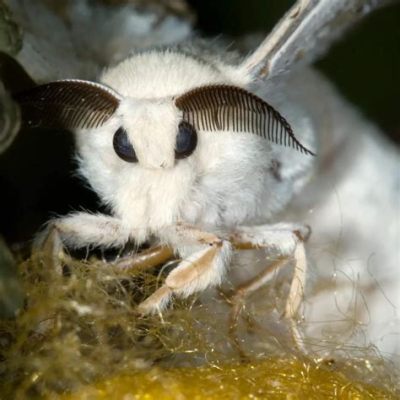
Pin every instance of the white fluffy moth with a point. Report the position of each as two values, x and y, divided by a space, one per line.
202 154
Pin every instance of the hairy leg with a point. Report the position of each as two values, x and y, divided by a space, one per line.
146 259
202 269
79 230
287 241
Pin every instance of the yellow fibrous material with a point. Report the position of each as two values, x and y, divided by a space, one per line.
269 379
79 336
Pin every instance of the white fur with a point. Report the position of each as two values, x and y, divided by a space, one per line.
351 204
229 180
209 277
158 74
224 183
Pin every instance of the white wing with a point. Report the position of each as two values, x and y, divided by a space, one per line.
305 32
352 203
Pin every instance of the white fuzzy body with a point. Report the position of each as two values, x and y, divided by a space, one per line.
231 179
227 181
235 179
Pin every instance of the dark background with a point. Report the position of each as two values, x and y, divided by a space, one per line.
36 174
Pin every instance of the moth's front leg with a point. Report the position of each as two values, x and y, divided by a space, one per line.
79 230
203 268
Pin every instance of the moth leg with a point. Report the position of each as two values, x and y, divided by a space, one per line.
296 293
146 259
244 290
288 241
202 269
193 274
78 230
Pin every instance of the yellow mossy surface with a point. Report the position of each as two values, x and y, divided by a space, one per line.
269 379
78 336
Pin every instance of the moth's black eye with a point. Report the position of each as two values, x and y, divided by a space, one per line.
123 147
186 140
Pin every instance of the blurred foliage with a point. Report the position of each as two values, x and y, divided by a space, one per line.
11 295
10 33
176 7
